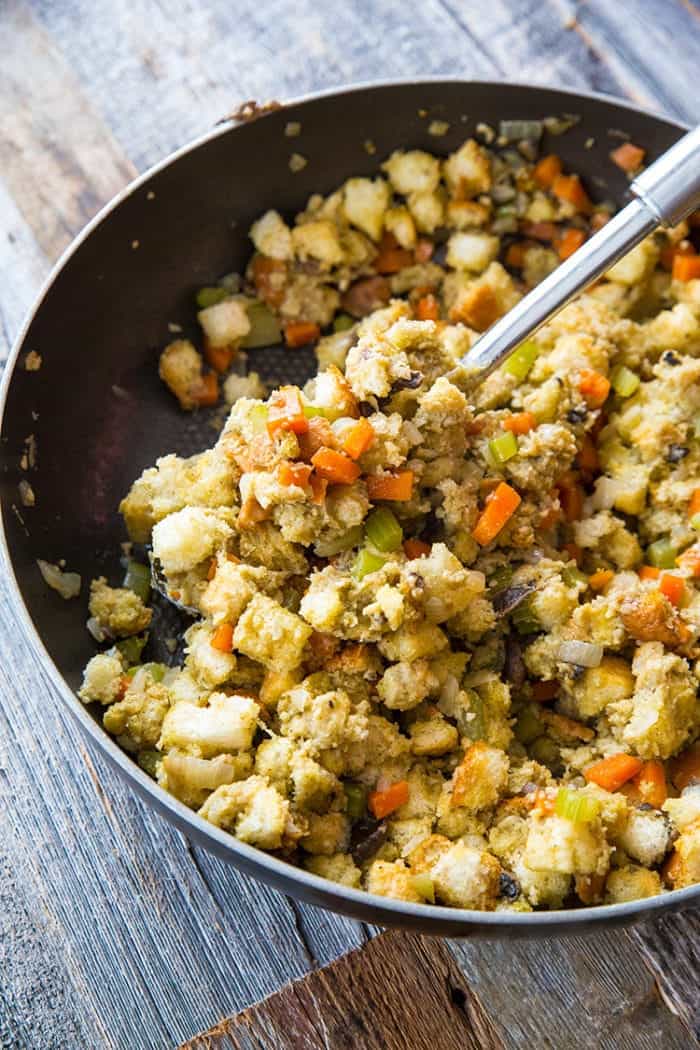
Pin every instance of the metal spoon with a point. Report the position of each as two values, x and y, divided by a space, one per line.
666 192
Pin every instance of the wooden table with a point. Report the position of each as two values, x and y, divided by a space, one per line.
114 930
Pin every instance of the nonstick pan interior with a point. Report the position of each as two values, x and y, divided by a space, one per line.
96 414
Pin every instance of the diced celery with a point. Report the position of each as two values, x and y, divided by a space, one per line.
475 726
500 578
503 447
342 322
148 760
366 562
524 618
623 381
521 360
210 297
355 800
662 554
573 576
310 411
424 886
131 648
695 521
575 806
528 726
264 326
156 671
258 418
352 538
383 530
138 579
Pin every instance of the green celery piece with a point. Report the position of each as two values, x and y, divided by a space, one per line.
131 648
343 322
366 562
575 806
662 554
503 447
210 297
383 530
138 579
264 326
623 381
521 360
349 539
355 800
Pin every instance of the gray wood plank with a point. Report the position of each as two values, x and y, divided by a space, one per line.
23 266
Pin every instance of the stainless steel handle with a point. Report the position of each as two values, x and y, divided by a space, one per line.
665 193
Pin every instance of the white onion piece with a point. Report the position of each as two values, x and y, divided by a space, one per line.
199 774
66 583
585 654
606 492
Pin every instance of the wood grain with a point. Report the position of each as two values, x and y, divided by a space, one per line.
400 991
114 932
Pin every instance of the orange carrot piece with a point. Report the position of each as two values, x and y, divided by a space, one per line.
569 242
570 496
648 572
694 505
544 691
515 254
205 391
358 438
520 423
499 509
382 803
650 784
685 267
587 457
670 251
427 308
290 473
628 157
612 772
222 638
319 487
335 467
685 767
546 170
672 587
211 571
391 257
269 279
413 548
569 188
594 387
299 333
286 412
600 579
219 357
397 487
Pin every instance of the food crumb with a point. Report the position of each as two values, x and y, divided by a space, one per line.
422 113
370 147
135 244
589 143
292 128
150 196
28 460
26 494
485 132
67 584
33 361
171 644
172 327
297 163
438 128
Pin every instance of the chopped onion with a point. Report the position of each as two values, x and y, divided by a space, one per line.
585 654
66 583
96 630
606 492
199 774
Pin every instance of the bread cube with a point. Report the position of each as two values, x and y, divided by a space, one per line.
472 250
253 810
270 634
102 679
412 171
224 323
466 877
480 778
271 236
227 724
186 538
364 204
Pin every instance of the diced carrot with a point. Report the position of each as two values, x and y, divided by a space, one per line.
219 357
672 587
546 170
319 435
544 691
428 308
569 242
205 391
690 560
587 457
211 571
685 767
515 254
319 487
594 387
423 250
222 638
358 438
686 267
612 772
570 496
570 189
694 505
520 423
574 551
269 278
391 257
415 548
670 251
335 467
382 803
299 333
648 572
290 473
600 579
397 487
286 412
650 783
628 157
541 231
499 509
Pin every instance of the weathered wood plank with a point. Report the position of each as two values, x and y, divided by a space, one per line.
670 948
23 267
400 991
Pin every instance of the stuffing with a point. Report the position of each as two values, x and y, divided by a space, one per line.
271 236
339 867
137 718
187 537
224 323
631 883
251 809
227 724
180 368
645 836
118 611
270 634
480 778
364 204
466 877
102 679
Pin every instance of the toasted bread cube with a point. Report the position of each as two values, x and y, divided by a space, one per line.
364 203
645 836
253 810
413 171
631 883
224 323
339 867
392 879
102 679
480 778
405 685
271 236
327 834
188 537
435 736
472 250
225 725
466 877
180 368
318 240
270 634
468 171
555 844
117 609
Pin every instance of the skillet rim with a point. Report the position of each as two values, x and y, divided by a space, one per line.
280 874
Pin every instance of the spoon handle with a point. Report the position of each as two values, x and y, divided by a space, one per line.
667 191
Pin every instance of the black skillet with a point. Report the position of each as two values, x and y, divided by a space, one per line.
99 414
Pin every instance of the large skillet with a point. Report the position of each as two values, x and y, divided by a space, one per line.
99 414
